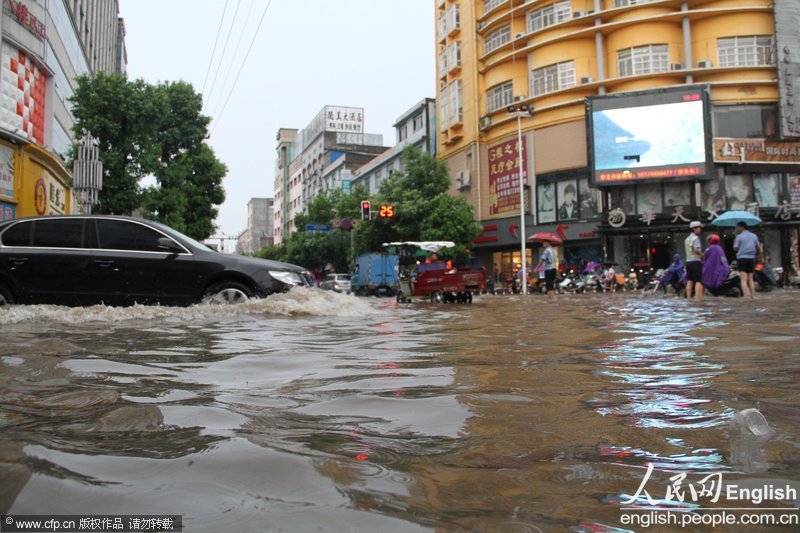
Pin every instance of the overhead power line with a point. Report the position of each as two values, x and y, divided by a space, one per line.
224 49
214 51
241 68
235 54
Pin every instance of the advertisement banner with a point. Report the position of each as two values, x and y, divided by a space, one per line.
755 151
7 211
657 135
6 171
504 176
794 190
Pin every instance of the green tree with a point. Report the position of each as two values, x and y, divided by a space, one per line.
424 210
148 129
120 114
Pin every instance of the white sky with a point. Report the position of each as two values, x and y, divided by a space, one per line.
375 54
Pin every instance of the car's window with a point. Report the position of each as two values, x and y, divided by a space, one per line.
18 234
58 233
343 277
124 235
328 278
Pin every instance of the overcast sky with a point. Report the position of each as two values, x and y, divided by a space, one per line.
375 54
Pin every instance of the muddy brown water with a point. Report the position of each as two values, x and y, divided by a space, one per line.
317 411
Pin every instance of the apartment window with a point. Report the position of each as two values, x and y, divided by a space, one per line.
496 39
443 63
453 18
416 123
549 15
454 90
553 78
743 51
488 5
499 96
402 133
646 59
453 55
442 26
624 3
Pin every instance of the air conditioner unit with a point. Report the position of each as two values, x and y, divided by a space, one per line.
676 66
486 121
519 98
578 14
706 63
586 79
463 179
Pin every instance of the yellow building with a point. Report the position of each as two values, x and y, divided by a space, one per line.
557 57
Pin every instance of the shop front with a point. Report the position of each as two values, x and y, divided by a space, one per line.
645 224
498 248
32 182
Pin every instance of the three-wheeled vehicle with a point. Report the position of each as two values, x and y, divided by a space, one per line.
433 279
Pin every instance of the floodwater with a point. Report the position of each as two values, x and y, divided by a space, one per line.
316 411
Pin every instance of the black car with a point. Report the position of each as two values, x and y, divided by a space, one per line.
115 260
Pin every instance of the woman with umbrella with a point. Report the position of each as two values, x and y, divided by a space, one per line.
548 262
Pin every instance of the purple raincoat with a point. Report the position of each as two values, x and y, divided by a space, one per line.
715 267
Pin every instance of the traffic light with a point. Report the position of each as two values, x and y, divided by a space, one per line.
386 211
365 210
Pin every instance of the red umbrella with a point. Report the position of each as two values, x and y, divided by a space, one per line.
545 236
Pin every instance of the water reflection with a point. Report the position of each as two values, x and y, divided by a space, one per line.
317 410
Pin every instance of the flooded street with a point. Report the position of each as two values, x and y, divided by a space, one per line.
318 411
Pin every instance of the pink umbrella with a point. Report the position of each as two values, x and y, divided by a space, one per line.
545 236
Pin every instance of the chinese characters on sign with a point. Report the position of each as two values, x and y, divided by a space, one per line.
632 175
755 150
334 118
787 45
19 10
504 176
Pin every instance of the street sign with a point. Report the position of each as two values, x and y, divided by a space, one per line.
336 223
319 228
347 223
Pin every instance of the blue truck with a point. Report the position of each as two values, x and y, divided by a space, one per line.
375 274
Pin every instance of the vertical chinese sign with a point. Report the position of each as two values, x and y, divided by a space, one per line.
504 176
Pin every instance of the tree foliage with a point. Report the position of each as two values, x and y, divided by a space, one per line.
156 130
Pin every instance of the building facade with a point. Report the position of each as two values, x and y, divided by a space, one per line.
302 157
260 224
559 57
44 45
416 127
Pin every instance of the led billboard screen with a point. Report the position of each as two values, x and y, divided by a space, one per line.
650 136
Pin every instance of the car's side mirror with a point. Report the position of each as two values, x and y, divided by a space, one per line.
168 245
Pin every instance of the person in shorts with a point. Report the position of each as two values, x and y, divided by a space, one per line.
748 249
547 262
694 261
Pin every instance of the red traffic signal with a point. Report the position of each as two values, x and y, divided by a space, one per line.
386 211
365 210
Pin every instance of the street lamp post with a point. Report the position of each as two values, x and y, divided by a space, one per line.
522 111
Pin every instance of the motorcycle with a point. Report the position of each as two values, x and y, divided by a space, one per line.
732 286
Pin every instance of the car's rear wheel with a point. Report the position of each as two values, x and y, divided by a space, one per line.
226 293
6 298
